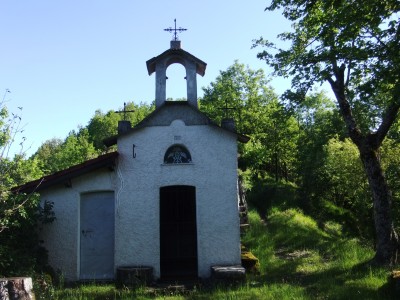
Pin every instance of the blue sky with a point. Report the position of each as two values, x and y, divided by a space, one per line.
63 60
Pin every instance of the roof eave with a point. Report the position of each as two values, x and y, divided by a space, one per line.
63 176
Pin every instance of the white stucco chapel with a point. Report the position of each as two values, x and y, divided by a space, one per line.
167 198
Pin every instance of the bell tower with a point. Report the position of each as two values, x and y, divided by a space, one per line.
176 54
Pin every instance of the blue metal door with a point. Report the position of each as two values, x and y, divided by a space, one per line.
97 236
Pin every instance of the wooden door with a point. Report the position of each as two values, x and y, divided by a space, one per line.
97 236
178 232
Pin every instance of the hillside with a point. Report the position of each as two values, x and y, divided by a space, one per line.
299 257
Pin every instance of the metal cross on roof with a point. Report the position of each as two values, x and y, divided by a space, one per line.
124 112
226 108
180 29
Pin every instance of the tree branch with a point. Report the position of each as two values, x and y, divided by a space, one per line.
389 116
338 88
349 69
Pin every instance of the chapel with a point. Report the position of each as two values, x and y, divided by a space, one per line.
166 199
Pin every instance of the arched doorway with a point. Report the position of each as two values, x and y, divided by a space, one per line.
178 232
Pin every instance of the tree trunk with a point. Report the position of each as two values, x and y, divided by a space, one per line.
386 238
387 242
16 288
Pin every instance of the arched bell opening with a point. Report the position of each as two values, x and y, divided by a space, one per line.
176 82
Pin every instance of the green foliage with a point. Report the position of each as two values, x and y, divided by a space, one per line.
319 121
265 193
296 251
19 246
46 155
299 231
271 291
360 36
104 125
20 252
10 127
259 242
390 157
346 189
55 155
244 92
4 133
244 95
86 143
353 46
273 146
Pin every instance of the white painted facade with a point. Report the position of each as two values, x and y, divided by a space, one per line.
136 178
136 183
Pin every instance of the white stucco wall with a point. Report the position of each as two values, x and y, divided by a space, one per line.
214 175
61 238
136 183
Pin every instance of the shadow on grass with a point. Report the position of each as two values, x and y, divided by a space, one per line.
267 193
324 263
335 283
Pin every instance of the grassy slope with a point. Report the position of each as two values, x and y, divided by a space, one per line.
299 260
294 251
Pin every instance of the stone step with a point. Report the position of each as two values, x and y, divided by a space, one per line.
228 273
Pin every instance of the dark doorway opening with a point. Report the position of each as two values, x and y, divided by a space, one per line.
178 232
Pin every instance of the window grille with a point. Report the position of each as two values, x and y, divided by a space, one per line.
177 154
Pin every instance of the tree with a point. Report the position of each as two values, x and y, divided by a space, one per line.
10 168
46 155
346 193
244 95
76 149
243 92
55 154
19 214
103 125
319 121
354 46
274 143
87 142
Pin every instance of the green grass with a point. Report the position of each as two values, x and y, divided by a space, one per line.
248 290
299 259
295 251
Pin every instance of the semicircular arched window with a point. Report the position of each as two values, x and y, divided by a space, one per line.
177 154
